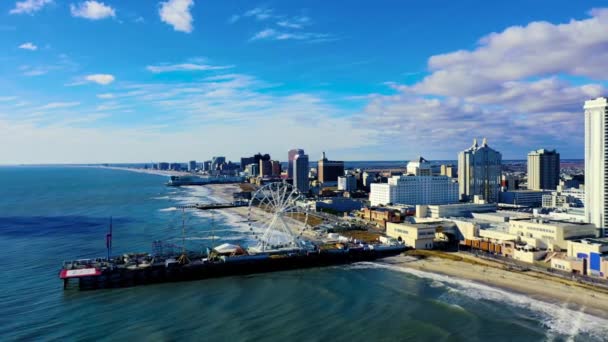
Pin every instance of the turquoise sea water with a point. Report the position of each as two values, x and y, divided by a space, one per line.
48 215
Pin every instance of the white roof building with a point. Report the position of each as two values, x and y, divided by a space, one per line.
413 190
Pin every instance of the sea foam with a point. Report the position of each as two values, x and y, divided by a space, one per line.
559 320
230 222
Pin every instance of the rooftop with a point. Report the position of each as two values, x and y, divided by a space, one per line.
559 223
595 241
428 224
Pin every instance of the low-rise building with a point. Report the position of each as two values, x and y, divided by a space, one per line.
569 264
341 204
519 237
501 216
454 210
565 198
593 251
528 255
416 235
551 235
522 198
381 215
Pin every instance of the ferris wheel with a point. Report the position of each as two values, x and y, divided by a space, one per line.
275 219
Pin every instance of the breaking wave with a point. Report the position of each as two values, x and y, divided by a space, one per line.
559 320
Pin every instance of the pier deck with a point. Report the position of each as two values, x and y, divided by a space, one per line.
210 206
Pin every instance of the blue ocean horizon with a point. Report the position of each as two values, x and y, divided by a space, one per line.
52 214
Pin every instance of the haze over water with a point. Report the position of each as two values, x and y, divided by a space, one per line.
48 215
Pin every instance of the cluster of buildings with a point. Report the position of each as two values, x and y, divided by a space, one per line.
531 212
217 165
538 216
479 178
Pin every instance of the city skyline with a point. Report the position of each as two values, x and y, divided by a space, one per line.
107 81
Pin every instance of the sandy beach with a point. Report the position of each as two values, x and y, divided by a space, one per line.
535 285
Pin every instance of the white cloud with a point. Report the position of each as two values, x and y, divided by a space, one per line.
92 10
37 70
294 23
103 79
112 105
579 47
265 34
260 13
272 34
106 96
177 14
514 87
28 46
29 6
230 110
56 105
185 67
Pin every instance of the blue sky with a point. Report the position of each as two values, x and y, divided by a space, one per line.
126 81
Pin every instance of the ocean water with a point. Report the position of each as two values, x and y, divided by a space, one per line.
50 214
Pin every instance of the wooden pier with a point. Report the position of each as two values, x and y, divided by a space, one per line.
210 206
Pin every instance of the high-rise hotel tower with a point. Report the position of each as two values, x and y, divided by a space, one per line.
479 170
596 174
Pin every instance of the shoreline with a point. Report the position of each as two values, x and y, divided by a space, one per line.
166 173
533 285
536 286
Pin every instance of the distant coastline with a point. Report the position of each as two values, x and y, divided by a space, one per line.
166 173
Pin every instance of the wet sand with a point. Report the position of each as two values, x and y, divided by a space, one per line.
536 285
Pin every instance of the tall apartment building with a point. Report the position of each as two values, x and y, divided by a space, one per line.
543 170
192 165
300 173
596 180
276 168
328 171
265 168
414 190
216 162
479 170
291 155
369 178
347 183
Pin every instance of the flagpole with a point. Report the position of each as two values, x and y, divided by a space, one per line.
109 240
